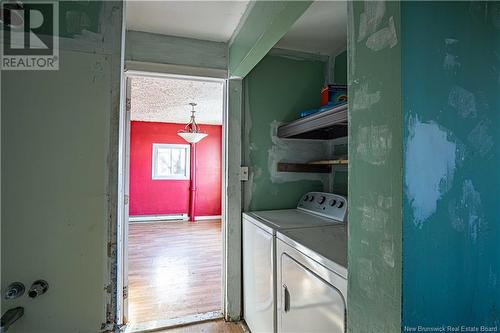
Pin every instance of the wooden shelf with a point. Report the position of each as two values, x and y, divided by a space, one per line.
324 125
331 162
304 167
313 166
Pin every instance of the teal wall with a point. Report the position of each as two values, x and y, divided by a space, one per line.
276 91
340 68
375 168
451 226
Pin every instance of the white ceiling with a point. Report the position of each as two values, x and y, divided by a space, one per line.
167 100
321 29
206 20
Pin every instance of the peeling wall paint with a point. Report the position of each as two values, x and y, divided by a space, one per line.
428 145
466 212
370 18
371 27
384 38
463 101
375 168
451 214
430 162
374 143
294 151
364 98
451 61
481 138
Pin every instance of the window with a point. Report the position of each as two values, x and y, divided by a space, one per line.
170 161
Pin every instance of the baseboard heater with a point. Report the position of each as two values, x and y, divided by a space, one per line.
208 218
156 218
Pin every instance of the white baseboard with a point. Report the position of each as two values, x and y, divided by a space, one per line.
209 217
156 218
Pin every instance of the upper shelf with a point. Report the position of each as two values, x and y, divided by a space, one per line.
324 125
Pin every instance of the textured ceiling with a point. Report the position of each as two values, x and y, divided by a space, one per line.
321 29
207 20
167 100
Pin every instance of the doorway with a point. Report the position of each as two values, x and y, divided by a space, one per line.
173 266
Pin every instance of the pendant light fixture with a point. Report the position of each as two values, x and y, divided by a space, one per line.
192 132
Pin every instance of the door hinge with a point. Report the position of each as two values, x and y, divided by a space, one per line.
125 292
128 104
125 199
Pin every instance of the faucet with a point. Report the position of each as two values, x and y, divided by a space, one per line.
10 317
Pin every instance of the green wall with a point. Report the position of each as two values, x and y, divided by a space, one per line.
451 226
159 49
58 129
375 168
340 68
276 91
75 16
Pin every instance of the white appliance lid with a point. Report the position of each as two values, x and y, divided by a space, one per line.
290 218
329 242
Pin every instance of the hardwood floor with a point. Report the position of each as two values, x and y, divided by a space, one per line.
175 270
215 326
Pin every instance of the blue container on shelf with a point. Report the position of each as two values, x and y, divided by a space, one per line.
308 112
337 94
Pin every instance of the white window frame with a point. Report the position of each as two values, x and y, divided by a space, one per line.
154 165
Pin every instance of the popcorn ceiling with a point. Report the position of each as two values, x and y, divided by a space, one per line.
167 100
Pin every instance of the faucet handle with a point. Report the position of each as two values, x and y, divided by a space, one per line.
39 287
14 290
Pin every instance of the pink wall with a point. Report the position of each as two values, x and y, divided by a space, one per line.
158 197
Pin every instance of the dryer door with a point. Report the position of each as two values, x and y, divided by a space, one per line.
308 302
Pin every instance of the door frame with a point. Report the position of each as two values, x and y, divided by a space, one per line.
123 187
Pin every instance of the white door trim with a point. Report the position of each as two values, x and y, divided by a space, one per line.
123 208
123 180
